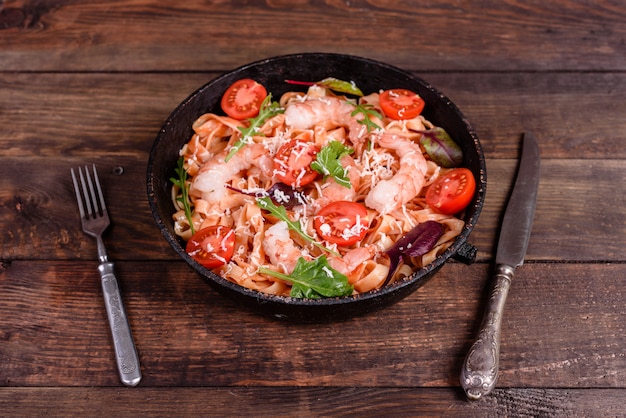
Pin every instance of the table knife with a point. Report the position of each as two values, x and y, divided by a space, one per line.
480 369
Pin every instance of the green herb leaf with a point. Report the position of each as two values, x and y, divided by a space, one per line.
267 110
441 148
367 110
280 212
340 86
314 279
181 182
333 84
328 162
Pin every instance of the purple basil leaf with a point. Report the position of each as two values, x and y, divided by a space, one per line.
428 237
417 242
441 148
285 195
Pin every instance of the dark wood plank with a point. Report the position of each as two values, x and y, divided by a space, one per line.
58 115
41 221
53 331
87 114
308 401
40 214
557 107
86 82
515 35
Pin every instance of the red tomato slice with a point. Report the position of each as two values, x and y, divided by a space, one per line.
452 192
243 99
292 163
212 246
342 222
401 104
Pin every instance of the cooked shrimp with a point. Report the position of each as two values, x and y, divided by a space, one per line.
406 183
216 173
280 248
306 114
329 110
332 191
352 259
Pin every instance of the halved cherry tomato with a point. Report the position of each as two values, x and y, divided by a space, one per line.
401 104
212 246
452 192
292 163
342 222
242 100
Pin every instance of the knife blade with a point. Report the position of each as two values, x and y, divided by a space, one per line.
480 369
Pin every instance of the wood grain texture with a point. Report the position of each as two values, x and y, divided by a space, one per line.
41 221
54 332
93 82
122 113
478 35
309 401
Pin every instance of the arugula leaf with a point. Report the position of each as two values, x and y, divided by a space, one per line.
328 162
267 110
181 182
367 110
280 212
333 84
441 148
314 279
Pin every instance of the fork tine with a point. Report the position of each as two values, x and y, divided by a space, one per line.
79 199
83 183
103 206
92 193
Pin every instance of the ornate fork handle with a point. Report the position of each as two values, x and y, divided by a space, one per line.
125 351
480 369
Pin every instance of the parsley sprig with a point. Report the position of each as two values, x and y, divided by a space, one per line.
314 279
367 110
267 110
328 162
280 212
181 182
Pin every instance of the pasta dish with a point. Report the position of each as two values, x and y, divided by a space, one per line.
283 197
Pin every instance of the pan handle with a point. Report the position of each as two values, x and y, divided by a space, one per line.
466 253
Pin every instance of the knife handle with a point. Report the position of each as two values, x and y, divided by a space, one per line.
480 369
125 350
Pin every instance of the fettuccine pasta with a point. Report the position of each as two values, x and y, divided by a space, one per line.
385 171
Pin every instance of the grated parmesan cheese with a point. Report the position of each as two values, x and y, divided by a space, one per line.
329 272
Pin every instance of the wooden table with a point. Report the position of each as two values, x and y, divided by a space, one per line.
93 82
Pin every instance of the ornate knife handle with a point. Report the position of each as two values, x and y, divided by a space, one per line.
480 369
125 351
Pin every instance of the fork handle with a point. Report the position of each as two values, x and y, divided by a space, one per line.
125 351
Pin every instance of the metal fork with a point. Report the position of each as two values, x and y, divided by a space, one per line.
95 220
